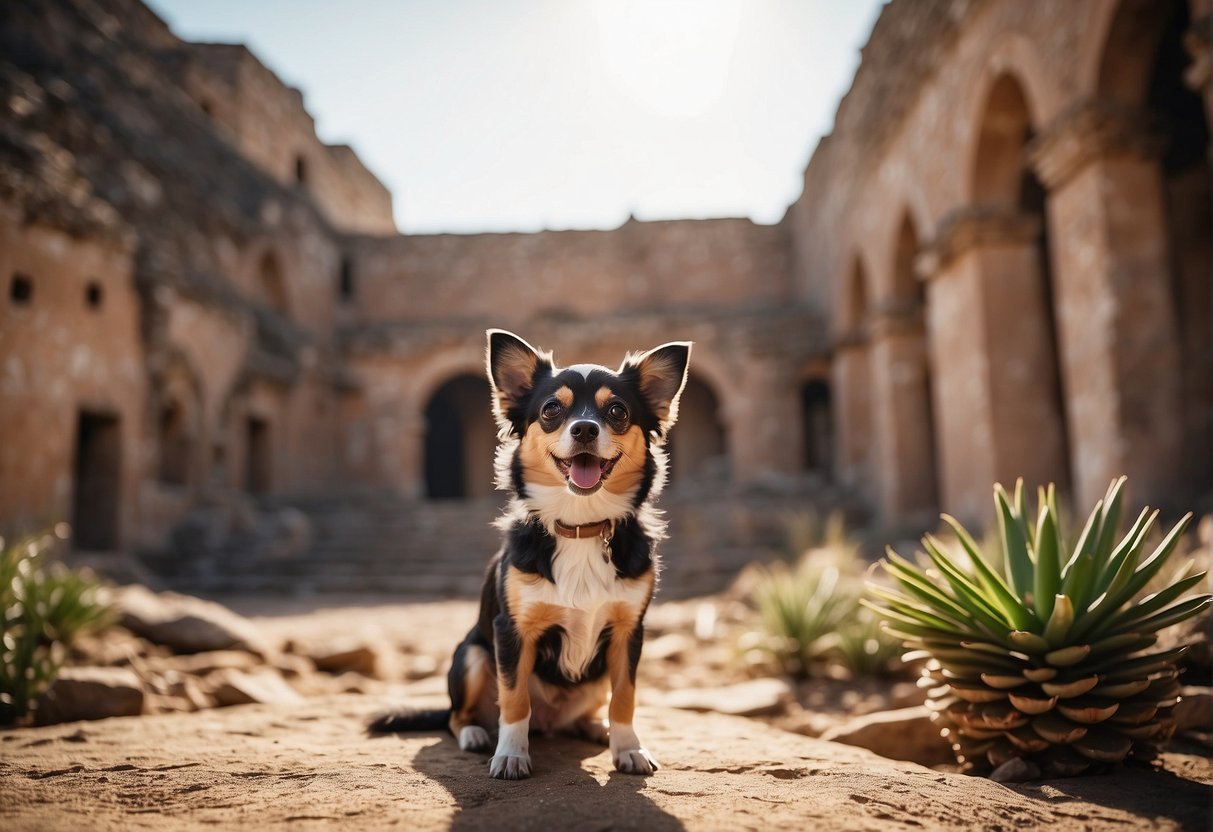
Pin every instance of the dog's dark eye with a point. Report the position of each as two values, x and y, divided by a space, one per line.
552 410
617 413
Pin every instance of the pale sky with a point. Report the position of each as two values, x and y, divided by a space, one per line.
517 115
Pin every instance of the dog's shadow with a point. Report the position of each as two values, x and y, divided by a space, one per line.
560 794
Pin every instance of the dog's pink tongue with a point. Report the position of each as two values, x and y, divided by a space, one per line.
585 472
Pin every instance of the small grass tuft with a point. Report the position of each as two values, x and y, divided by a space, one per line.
45 607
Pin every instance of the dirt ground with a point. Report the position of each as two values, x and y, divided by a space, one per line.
310 765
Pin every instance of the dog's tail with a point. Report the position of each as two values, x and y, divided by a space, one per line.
409 719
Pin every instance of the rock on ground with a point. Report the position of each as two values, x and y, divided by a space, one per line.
184 623
903 734
85 693
310 766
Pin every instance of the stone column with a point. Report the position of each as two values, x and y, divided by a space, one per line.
762 426
903 432
994 373
409 450
1118 341
851 389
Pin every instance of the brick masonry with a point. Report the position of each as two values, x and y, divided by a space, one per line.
1000 266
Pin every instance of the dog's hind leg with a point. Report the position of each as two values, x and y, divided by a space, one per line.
623 655
591 723
470 681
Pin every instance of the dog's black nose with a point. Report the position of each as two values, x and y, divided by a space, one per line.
584 431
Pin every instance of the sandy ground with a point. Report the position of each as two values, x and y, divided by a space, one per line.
310 766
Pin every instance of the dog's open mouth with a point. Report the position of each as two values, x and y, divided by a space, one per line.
585 472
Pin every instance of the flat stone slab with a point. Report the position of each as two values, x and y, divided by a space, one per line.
310 766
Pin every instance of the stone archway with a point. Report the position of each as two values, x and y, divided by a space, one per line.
697 445
1110 176
460 440
1030 415
1182 124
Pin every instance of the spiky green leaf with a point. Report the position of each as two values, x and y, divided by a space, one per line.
1047 573
1014 543
1000 593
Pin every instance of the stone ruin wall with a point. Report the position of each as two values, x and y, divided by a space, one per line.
911 232
888 285
267 121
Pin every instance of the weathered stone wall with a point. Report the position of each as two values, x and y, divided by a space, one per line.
749 363
69 344
267 120
1000 267
571 275
992 94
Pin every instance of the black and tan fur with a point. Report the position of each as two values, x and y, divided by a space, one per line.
561 620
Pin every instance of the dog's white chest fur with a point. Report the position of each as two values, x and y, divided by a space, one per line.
585 586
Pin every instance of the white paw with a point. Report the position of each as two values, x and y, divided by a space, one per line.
507 767
635 761
474 738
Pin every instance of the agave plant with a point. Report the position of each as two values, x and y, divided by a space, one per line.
1049 664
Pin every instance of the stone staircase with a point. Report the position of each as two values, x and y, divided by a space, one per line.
376 542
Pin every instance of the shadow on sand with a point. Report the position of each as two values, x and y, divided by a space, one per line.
560 794
1152 793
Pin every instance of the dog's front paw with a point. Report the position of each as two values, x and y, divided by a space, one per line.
509 767
474 738
635 761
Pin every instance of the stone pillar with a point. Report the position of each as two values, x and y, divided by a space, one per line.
851 390
409 449
903 432
994 372
762 426
1112 288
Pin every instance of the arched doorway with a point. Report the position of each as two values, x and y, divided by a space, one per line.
1178 114
817 428
460 440
1028 402
697 446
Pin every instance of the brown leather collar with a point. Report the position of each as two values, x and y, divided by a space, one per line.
603 529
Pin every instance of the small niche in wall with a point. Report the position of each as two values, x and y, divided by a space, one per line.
300 171
94 295
345 281
21 289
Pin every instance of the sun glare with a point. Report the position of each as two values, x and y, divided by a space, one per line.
672 57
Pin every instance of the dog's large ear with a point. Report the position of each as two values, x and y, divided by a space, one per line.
514 367
661 373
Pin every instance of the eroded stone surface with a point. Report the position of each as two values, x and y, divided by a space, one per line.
287 766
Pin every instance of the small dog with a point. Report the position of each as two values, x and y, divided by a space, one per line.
562 608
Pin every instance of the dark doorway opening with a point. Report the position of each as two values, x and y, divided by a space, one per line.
460 441
258 460
345 281
174 446
697 446
98 474
818 427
